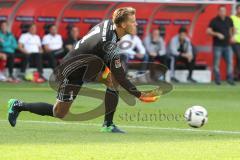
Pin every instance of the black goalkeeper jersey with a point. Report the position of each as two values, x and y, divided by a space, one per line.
101 41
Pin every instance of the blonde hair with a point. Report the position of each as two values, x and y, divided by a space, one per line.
121 14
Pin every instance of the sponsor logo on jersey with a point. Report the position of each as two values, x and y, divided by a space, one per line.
118 63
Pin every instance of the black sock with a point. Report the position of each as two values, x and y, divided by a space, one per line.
38 108
111 102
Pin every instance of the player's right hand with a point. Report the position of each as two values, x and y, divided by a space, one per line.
149 96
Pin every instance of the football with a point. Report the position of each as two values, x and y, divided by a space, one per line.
196 116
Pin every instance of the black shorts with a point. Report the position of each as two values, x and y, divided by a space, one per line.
73 73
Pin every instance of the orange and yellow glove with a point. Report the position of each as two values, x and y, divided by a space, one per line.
150 96
105 73
108 79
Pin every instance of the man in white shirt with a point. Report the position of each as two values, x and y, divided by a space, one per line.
155 46
30 45
53 46
132 48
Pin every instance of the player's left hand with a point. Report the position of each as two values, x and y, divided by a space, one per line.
108 79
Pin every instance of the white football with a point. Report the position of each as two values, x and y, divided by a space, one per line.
196 116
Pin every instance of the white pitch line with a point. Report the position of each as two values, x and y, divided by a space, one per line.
132 126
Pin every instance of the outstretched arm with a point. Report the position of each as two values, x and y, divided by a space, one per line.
119 74
113 61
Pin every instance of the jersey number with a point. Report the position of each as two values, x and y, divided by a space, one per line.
96 30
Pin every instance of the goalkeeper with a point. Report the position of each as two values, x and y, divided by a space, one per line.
79 66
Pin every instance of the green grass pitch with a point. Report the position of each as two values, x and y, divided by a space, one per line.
158 137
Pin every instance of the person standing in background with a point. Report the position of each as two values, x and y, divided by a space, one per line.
236 39
221 29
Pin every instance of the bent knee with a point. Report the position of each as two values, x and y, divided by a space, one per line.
60 114
61 109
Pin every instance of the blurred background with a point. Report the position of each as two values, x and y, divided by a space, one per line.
35 35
